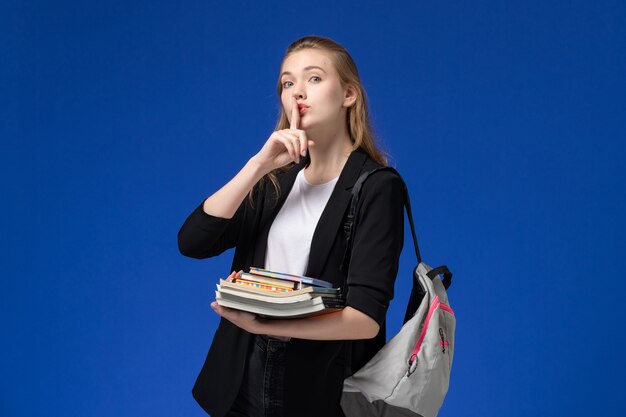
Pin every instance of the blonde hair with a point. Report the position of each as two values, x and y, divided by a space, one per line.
357 117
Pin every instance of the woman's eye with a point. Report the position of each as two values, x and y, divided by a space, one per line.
315 78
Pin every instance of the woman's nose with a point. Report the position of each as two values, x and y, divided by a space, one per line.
298 93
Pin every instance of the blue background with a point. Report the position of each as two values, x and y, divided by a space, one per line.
118 118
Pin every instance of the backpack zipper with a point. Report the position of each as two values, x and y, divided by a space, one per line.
433 306
443 341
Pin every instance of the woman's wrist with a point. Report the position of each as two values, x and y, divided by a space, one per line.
257 167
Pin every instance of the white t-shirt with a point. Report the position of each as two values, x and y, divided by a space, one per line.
289 239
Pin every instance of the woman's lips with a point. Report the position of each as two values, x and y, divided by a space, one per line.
303 109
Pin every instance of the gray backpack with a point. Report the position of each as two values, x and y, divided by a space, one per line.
409 376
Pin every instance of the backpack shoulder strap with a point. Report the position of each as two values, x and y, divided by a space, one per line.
348 226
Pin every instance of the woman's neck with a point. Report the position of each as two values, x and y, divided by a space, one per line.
328 158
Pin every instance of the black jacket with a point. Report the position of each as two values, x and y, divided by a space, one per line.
315 368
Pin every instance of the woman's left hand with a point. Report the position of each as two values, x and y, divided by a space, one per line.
248 321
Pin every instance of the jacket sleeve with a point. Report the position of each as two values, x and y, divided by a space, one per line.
203 235
377 245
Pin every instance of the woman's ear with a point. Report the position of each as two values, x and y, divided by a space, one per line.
350 95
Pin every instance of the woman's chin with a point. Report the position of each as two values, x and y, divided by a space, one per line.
306 123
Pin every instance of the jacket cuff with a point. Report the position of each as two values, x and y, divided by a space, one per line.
362 301
208 222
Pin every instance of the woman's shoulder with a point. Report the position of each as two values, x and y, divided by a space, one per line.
381 178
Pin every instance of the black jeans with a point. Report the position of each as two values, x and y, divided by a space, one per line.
262 389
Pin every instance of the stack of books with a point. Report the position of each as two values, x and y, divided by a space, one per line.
278 295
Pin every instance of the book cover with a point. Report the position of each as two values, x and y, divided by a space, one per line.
266 289
291 277
248 295
292 285
270 304
263 297
271 312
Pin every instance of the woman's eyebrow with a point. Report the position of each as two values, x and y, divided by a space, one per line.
310 67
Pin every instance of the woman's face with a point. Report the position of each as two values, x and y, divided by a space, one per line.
310 76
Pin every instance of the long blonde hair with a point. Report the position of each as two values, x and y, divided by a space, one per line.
358 121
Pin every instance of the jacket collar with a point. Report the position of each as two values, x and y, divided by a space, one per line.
330 220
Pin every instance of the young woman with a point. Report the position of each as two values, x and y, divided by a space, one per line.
285 211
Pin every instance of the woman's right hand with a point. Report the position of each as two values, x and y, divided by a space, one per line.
286 145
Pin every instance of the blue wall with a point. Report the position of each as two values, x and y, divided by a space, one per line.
118 118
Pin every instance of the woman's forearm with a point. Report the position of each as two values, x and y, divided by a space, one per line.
225 201
346 324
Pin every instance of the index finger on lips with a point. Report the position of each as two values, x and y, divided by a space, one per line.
295 114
